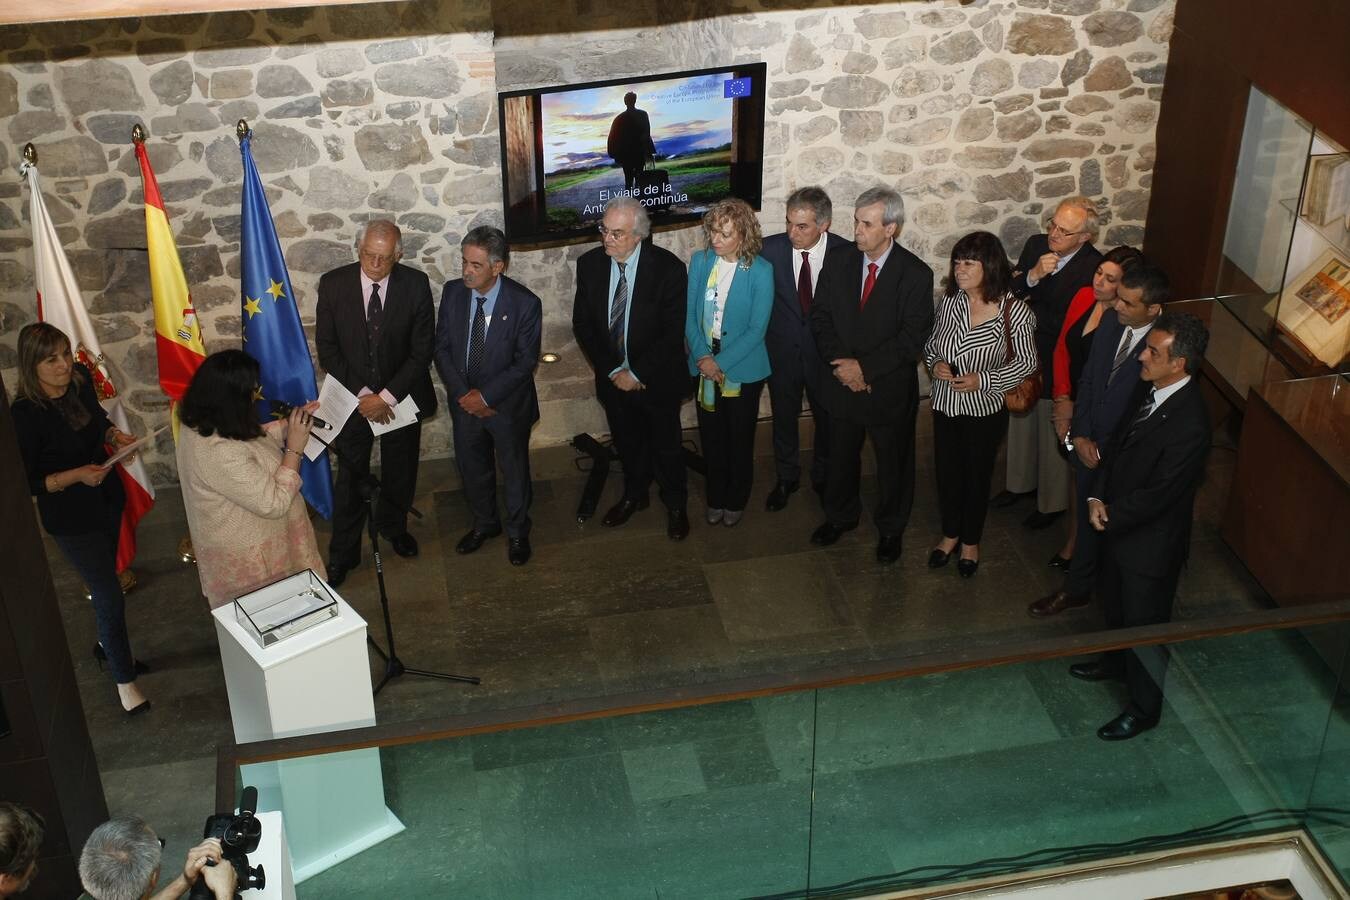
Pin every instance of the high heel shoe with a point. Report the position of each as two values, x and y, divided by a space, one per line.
142 707
101 657
938 558
1060 562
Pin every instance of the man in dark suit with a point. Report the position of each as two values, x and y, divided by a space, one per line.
872 313
375 333
1105 389
630 140
628 318
797 256
487 346
1142 503
1052 268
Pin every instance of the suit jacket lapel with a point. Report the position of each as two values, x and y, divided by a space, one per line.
501 315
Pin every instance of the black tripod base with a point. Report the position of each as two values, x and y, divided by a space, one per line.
394 668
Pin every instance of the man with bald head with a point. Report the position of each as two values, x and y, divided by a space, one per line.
1052 268
375 332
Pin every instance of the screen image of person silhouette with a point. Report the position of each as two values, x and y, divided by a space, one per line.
630 140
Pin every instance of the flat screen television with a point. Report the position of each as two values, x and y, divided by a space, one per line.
678 142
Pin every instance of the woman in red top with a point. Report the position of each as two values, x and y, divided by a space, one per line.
1071 353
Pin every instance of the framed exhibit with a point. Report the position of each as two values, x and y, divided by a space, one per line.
1285 271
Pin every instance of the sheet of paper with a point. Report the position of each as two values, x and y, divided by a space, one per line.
132 448
404 414
336 405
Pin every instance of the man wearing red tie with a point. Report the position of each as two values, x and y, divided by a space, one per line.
797 256
872 312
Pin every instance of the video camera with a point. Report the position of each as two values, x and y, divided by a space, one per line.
238 836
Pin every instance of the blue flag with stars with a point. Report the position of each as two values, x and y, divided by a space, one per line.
272 331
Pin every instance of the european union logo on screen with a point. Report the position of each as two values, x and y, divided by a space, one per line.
736 87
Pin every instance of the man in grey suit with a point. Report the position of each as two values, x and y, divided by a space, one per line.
1105 389
797 256
487 346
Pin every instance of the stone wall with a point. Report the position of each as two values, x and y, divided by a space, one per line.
981 113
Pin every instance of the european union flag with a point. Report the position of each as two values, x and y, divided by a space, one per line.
272 332
736 87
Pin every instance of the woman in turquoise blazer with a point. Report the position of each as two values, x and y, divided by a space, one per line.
730 299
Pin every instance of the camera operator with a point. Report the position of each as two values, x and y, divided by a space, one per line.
21 832
121 861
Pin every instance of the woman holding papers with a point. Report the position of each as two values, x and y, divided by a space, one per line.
63 438
241 482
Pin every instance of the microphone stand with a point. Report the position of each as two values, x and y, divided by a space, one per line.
369 488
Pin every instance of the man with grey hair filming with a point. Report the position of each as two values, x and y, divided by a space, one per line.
121 861
21 832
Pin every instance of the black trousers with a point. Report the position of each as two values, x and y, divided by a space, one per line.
647 436
964 448
481 445
1131 598
790 377
893 444
398 470
1081 578
728 437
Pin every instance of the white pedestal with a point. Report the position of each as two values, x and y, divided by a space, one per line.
275 858
314 681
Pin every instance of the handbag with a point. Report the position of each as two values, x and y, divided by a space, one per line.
1021 399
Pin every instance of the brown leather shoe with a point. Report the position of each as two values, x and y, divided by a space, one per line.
1056 603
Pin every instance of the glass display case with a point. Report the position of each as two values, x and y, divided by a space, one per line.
1285 272
285 607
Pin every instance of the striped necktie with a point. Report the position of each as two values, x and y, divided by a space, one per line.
618 309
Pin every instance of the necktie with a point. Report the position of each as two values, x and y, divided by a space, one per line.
1145 409
374 310
617 310
804 284
1121 355
477 336
870 283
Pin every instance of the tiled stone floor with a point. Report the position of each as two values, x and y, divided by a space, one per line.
598 612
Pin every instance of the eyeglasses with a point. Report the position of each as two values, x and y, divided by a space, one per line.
1053 227
617 233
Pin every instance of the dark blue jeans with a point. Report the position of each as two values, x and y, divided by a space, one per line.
94 556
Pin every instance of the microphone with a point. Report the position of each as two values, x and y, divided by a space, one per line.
283 409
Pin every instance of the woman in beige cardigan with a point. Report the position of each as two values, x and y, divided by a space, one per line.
241 482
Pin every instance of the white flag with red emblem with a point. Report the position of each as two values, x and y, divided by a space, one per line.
59 303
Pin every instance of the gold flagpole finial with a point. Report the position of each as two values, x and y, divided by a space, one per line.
138 133
30 154
241 130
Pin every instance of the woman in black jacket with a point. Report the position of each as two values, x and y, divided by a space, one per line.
62 433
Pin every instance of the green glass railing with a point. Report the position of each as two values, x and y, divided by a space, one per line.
863 781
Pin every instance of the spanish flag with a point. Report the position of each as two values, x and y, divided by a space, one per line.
178 335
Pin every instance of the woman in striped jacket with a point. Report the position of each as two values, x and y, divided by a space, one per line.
980 348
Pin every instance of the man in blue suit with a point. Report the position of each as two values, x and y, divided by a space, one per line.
487 346
797 256
1105 389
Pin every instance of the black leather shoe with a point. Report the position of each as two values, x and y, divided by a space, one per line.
475 539
967 568
518 551
938 558
405 545
1038 520
1096 671
337 573
1125 726
888 548
1055 604
778 497
677 524
828 533
1059 562
1007 498
622 511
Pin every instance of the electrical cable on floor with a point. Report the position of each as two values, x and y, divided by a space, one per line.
932 875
